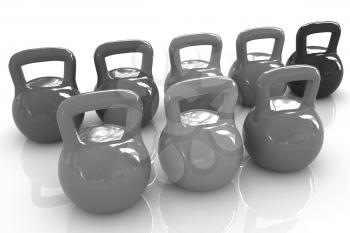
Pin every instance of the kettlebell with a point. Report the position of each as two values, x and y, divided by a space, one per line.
326 60
35 104
103 168
284 134
246 71
194 68
139 81
200 149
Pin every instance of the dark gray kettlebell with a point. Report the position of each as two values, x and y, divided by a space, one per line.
139 81
194 68
246 71
284 134
35 104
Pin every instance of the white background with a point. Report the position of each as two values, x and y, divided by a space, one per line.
313 200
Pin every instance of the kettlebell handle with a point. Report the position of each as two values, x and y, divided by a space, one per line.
99 100
190 40
283 75
42 55
198 87
317 27
120 47
256 34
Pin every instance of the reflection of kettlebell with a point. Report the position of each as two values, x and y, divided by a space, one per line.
184 70
137 218
326 61
105 168
139 81
150 137
200 148
246 71
39 163
184 211
275 196
35 105
284 134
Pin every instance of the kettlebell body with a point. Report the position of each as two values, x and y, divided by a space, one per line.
284 134
246 71
326 60
139 81
200 149
103 168
195 68
35 104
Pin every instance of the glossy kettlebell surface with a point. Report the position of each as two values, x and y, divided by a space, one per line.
283 134
249 66
103 168
194 68
138 80
326 60
200 148
35 104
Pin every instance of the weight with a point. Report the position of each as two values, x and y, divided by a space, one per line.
246 71
194 68
35 104
326 60
200 148
103 168
139 81
284 134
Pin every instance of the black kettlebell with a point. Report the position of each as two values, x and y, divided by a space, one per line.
326 61
139 81
36 102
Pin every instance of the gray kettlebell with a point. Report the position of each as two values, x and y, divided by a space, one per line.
103 168
194 68
284 134
35 104
200 148
139 81
246 71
